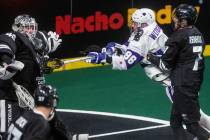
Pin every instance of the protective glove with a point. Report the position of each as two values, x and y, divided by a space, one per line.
111 48
97 58
53 41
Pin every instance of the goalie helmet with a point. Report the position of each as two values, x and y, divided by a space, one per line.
25 24
142 17
46 95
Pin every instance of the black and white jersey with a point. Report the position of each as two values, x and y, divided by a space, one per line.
20 48
29 126
184 57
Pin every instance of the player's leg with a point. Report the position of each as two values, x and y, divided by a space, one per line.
204 119
176 125
185 101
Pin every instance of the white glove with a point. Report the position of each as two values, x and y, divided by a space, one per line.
80 137
7 71
53 41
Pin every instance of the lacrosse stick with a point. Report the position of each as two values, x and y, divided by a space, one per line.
57 63
77 59
24 97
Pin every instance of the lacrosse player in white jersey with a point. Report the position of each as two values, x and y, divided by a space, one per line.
146 37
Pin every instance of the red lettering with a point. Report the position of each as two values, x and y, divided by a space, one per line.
78 25
101 20
116 21
63 25
97 22
89 24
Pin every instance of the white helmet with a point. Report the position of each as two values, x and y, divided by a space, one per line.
25 24
143 16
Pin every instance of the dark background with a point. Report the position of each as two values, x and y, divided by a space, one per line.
45 12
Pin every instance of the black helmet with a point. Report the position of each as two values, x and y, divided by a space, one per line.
187 12
46 95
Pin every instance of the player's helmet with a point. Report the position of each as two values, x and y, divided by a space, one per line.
142 18
25 24
46 96
187 12
143 15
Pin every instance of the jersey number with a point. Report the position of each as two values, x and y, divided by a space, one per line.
14 133
129 57
198 50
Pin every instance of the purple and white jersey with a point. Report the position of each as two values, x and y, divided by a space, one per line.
149 39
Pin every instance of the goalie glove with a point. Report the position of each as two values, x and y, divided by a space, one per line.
9 70
53 41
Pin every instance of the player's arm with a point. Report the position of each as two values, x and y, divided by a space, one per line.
134 53
167 61
116 48
8 66
119 62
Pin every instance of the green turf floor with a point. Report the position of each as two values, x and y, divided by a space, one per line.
126 92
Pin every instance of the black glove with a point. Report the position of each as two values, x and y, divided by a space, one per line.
153 58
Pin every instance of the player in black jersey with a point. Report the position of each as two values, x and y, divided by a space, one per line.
184 59
22 52
35 125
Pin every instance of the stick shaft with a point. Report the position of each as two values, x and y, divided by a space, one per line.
77 59
128 131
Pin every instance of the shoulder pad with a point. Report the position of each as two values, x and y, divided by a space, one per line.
138 34
9 39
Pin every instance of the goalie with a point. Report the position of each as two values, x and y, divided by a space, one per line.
21 54
146 37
